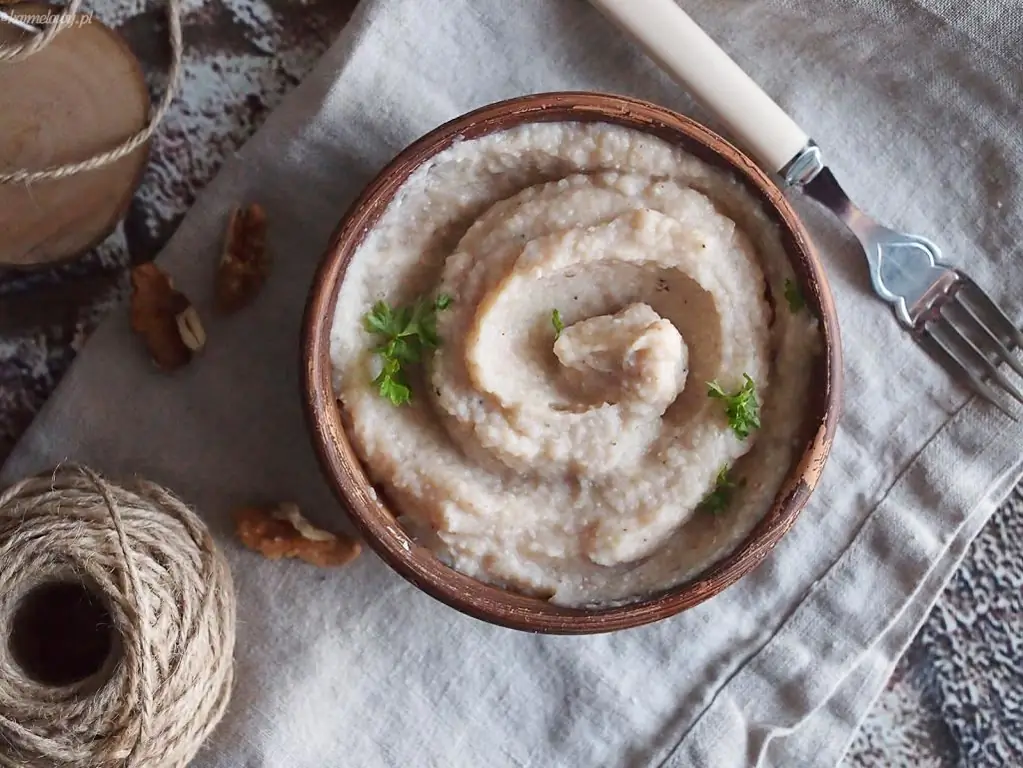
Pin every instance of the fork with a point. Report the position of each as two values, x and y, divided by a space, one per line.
943 310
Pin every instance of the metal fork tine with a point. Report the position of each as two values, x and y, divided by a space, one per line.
1004 353
984 302
958 337
951 361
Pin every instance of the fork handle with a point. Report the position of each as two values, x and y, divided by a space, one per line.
676 43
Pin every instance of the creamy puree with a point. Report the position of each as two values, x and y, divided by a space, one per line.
574 467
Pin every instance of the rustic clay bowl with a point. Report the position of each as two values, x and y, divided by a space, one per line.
371 515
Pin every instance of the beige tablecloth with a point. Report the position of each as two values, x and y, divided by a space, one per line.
916 105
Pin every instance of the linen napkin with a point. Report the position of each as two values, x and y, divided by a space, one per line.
916 106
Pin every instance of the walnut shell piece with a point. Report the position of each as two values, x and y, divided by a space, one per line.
244 263
190 329
283 532
164 318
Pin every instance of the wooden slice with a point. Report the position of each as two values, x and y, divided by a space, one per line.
81 95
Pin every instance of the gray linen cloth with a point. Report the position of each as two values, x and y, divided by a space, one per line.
916 104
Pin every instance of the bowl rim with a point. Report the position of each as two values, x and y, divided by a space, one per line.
353 489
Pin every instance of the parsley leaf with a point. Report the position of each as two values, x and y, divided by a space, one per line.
391 383
381 320
794 296
401 350
559 326
406 333
724 488
741 407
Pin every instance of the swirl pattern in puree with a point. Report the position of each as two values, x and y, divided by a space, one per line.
573 464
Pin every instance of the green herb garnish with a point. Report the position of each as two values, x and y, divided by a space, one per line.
741 407
391 382
724 487
559 326
794 296
406 332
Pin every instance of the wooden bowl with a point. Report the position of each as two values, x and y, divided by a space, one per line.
368 510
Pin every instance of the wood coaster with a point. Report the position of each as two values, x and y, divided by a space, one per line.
81 95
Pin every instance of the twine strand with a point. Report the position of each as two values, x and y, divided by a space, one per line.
134 597
15 52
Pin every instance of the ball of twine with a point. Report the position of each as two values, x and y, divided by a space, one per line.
152 565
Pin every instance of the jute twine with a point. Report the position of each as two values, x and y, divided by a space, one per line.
15 52
168 592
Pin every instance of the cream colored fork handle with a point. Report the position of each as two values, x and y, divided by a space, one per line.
672 39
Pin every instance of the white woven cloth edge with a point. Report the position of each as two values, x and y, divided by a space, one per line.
778 670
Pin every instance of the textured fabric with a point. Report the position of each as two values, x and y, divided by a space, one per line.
358 668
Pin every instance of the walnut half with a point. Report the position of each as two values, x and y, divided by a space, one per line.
283 532
164 318
244 264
